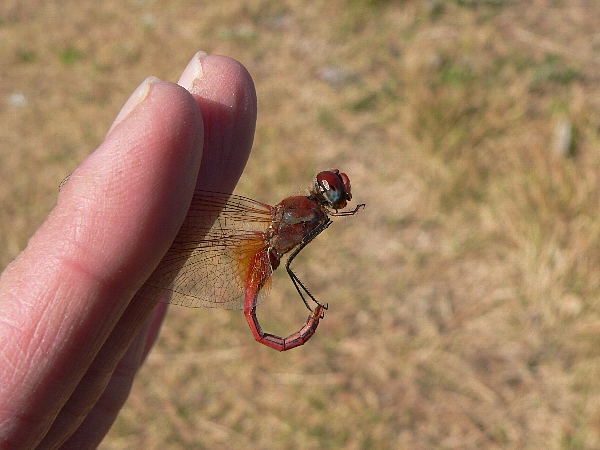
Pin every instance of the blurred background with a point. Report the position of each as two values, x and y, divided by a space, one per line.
464 308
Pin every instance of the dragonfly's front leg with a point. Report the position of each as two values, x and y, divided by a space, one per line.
294 340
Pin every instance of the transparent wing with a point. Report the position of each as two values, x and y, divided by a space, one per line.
209 261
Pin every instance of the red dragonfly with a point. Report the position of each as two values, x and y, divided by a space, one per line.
229 246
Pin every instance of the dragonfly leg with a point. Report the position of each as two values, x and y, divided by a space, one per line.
300 287
297 339
297 283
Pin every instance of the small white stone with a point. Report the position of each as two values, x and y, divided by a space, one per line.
17 99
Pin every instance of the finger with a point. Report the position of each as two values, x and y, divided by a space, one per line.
236 115
62 297
227 99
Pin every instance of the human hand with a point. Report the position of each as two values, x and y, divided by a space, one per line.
72 331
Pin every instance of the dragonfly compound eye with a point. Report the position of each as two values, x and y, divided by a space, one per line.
334 187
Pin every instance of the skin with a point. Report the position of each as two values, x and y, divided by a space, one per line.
73 333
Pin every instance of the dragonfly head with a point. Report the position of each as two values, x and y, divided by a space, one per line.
333 188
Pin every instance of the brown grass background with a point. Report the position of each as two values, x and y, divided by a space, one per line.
464 300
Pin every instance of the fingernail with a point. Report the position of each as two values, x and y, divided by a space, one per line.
63 182
193 71
136 98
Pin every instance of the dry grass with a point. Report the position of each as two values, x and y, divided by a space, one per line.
464 299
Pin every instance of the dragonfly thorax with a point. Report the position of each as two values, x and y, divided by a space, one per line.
294 218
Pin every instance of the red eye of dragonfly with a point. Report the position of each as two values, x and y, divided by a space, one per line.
228 247
334 187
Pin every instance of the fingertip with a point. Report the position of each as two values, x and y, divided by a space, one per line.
138 96
219 78
159 120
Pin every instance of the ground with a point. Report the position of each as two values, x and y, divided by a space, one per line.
463 299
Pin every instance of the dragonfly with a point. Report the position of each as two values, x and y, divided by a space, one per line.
228 247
